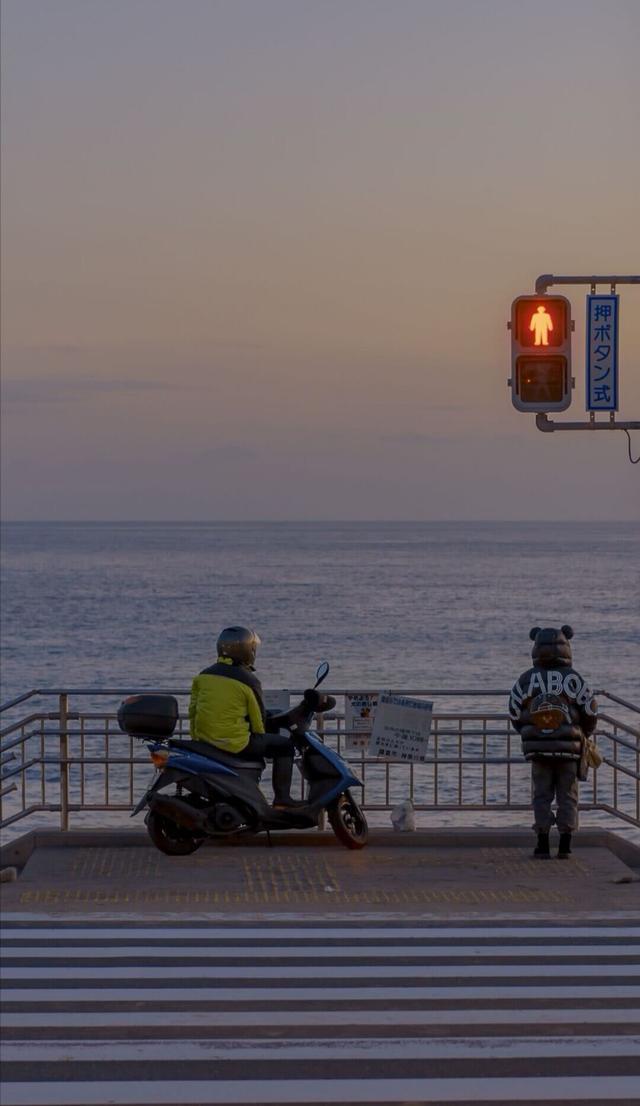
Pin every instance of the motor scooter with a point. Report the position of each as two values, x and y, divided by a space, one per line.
215 794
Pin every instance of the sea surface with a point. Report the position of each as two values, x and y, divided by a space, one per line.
403 605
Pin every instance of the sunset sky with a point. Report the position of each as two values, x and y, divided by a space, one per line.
258 255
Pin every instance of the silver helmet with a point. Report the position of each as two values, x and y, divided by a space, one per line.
239 644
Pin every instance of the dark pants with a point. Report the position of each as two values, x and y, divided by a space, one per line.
555 779
279 749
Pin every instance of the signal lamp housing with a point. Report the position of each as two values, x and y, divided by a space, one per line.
541 353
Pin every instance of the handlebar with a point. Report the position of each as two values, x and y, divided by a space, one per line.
313 702
317 701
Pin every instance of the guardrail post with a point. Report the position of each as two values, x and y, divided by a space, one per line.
64 759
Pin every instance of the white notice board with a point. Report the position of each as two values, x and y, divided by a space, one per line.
359 713
401 728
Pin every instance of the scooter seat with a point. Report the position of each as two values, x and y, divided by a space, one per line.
206 749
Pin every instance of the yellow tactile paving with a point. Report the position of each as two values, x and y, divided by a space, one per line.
317 878
275 896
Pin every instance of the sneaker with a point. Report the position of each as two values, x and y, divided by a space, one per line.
288 804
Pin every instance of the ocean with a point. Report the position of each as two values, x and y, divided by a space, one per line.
388 604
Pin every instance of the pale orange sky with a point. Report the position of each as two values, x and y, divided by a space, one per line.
258 257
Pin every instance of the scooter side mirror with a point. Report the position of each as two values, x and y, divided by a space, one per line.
322 672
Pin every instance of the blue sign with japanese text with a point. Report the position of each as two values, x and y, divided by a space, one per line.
602 353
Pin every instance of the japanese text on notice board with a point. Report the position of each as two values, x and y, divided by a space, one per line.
401 728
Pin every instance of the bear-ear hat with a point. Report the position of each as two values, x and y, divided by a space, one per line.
566 630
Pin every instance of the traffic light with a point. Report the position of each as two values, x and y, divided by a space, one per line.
541 353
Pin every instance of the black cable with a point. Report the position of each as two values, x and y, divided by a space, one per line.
633 462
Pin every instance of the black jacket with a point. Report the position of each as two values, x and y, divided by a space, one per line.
565 742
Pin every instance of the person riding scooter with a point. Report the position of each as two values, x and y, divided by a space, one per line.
227 710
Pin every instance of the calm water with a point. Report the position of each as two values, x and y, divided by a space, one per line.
389 604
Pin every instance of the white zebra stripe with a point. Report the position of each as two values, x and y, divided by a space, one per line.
358 1048
321 952
322 971
321 1091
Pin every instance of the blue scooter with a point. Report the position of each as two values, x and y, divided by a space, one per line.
215 794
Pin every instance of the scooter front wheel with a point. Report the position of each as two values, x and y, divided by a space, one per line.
348 822
170 838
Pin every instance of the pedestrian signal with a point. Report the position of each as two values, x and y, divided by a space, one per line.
541 323
541 353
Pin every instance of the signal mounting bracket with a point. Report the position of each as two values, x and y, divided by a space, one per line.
544 423
547 279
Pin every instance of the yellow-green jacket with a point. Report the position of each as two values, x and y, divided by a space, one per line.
226 706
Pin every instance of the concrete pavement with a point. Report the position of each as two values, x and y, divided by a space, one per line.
464 873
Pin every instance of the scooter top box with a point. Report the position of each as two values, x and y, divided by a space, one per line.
148 715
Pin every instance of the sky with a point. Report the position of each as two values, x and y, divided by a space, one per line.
258 255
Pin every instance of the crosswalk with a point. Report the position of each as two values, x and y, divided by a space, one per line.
187 1014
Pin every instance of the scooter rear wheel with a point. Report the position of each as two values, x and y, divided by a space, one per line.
169 838
348 822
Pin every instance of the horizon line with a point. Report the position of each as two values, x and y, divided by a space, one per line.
298 521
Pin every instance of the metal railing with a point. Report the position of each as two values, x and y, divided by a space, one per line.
76 761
